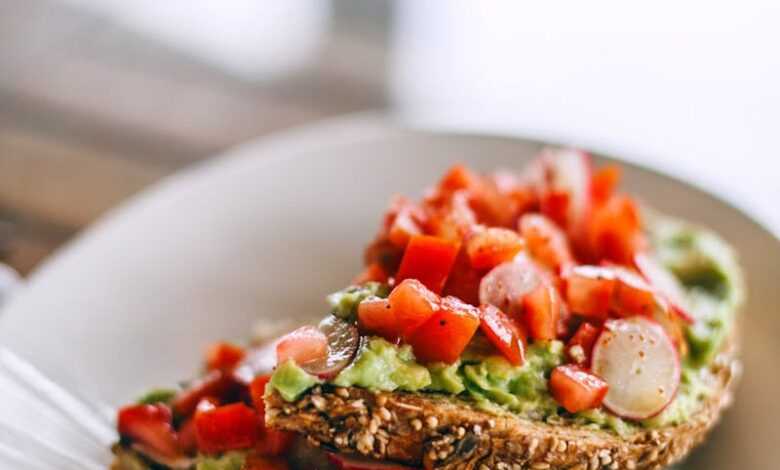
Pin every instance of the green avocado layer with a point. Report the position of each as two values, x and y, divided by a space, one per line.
703 263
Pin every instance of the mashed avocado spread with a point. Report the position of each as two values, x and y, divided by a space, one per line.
705 266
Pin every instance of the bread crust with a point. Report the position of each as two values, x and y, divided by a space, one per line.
436 431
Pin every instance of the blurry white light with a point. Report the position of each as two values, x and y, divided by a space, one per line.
252 39
693 84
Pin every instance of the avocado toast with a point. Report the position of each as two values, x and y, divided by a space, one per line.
539 320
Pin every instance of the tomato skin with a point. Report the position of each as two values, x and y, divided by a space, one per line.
546 242
372 273
376 316
451 219
589 291
501 331
492 246
632 295
555 206
604 182
576 389
223 356
216 384
429 260
463 281
458 177
614 231
412 304
225 428
585 338
541 309
303 345
444 336
151 425
260 462
187 440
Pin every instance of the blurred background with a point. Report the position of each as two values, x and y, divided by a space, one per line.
101 98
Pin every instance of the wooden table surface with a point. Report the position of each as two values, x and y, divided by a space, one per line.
91 113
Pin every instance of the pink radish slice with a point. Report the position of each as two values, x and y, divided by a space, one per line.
570 171
343 342
506 284
639 362
351 462
666 284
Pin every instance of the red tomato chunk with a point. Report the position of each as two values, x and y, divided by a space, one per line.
541 309
492 247
376 317
412 303
429 260
577 389
502 332
444 336
151 425
225 428
584 339
589 291
223 356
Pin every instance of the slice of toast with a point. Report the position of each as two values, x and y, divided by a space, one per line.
438 431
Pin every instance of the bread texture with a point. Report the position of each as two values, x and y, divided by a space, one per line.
444 432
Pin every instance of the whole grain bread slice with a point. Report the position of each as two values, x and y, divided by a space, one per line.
442 432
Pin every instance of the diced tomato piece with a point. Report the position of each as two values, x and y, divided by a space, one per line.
605 180
272 442
403 228
452 219
615 232
151 425
223 356
501 331
429 260
458 177
376 316
257 393
577 389
632 295
216 384
589 291
187 440
444 336
260 462
303 345
582 342
555 205
225 428
541 309
373 273
492 246
384 253
463 281
412 303
546 242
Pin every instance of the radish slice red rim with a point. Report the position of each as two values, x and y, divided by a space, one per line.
639 362
343 343
570 171
506 284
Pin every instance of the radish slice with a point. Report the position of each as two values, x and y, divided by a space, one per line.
343 343
641 365
506 284
570 171
666 284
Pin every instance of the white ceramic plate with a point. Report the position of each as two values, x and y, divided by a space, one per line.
264 233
